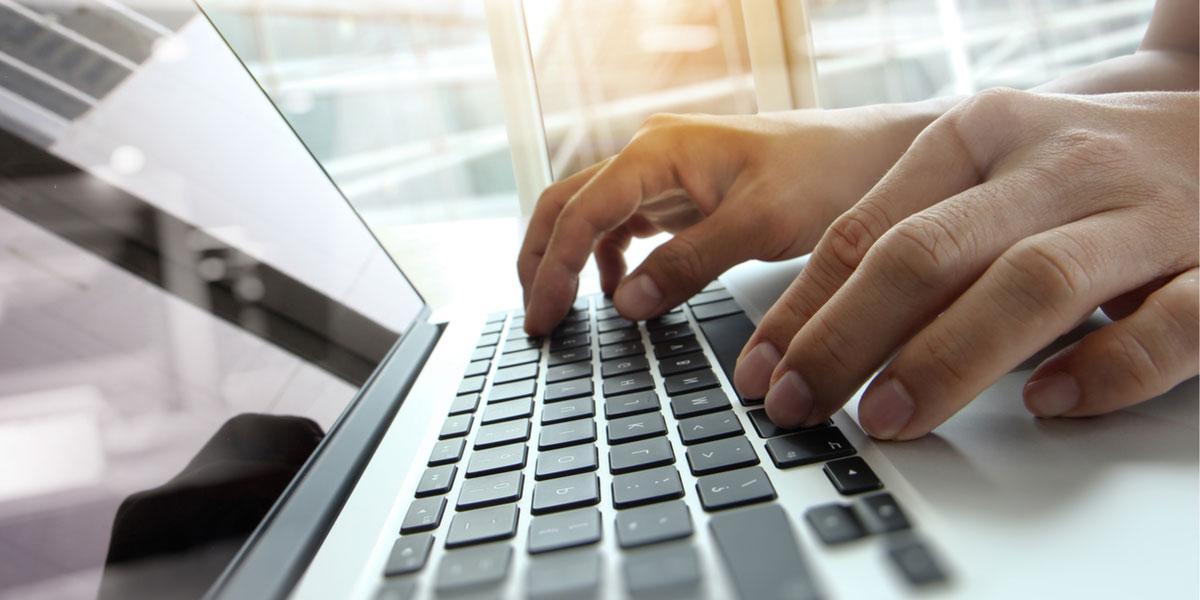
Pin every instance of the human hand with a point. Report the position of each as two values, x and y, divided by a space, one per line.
1007 222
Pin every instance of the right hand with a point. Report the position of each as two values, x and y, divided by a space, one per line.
731 189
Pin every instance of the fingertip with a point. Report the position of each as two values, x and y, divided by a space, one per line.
637 298
790 401
1051 395
752 375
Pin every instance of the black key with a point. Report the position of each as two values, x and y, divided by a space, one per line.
564 530
699 403
516 389
640 427
654 452
568 371
621 350
487 491
808 447
408 555
713 310
607 312
834 523
666 320
521 408
517 373
479 367
436 480
916 563
567 434
644 487
497 317
685 383
567 410
621 366
670 571
423 514
520 358
676 347
670 333
851 476
620 337
682 364
565 493
881 514
767 429
568 328
727 335
721 455
628 383
456 426
522 344
735 488
464 404
776 568
447 451
631 404
581 458
570 341
653 524
499 434
497 460
471 385
473 568
709 427
565 390
563 357
488 339
709 297
614 324
562 576
484 353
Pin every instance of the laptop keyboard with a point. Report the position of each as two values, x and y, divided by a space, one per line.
515 384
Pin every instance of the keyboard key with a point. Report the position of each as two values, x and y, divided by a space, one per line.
721 455
464 404
520 358
568 371
563 357
808 447
570 341
479 367
713 310
682 364
621 350
487 491
497 460
565 493
473 568
517 373
709 297
471 385
776 568
456 426
654 452
915 562
423 514
627 384
397 589
493 327
499 434
484 353
436 480
620 336
766 429
521 408
676 347
582 458
851 476
644 487
614 324
631 404
564 576
496 317
601 301
568 410
670 571
727 335
686 383
834 523
565 390
488 339
516 332
408 555
653 524
666 320
673 332
516 389
447 451
606 313
522 344
621 366
568 328
567 434
699 403
564 530
881 514
735 488
639 427
709 427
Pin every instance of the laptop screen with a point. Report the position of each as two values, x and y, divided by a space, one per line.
187 304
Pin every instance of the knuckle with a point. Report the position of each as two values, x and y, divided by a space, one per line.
940 352
992 103
1047 273
851 236
1133 363
1179 303
683 258
1079 149
919 253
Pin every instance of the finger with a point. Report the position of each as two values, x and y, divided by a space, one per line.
610 258
541 223
1132 360
1032 294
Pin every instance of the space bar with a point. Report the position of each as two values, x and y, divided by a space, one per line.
775 569
727 335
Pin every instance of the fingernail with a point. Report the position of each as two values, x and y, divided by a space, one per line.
753 373
885 409
638 297
1052 396
789 401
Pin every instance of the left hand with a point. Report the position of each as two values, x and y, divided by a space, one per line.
1008 221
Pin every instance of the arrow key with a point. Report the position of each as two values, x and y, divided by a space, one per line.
851 476
721 455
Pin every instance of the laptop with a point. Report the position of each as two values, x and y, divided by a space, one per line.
215 383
